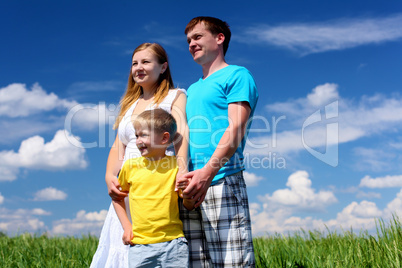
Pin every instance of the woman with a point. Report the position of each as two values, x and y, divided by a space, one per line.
150 86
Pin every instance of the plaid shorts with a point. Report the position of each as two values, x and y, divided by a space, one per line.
219 231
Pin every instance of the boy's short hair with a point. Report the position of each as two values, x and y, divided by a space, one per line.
215 26
157 120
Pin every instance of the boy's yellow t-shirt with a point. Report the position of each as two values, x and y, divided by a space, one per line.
153 201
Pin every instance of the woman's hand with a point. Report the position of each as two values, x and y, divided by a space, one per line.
113 166
113 188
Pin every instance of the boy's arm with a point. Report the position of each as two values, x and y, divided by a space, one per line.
189 204
120 208
238 114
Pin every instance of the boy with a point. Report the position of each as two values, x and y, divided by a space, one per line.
219 230
156 233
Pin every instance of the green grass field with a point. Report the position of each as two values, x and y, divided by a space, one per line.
303 249
314 249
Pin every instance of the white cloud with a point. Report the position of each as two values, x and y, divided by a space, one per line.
323 94
1 199
49 194
8 173
37 100
252 179
396 145
364 209
374 113
279 220
20 131
374 159
368 195
307 38
286 133
277 212
84 223
40 212
89 116
394 207
366 117
359 193
22 220
28 101
25 220
300 195
381 182
284 142
357 216
34 153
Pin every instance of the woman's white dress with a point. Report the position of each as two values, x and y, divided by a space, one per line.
111 252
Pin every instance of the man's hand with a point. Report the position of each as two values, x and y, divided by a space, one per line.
200 180
113 189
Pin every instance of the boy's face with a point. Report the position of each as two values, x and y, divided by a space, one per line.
202 44
151 143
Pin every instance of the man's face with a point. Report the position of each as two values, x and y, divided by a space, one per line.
202 44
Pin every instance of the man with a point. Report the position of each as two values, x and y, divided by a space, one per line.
219 106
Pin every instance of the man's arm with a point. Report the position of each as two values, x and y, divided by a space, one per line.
238 115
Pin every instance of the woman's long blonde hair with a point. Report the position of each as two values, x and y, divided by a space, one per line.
134 91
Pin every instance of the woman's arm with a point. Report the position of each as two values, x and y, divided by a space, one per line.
114 162
181 140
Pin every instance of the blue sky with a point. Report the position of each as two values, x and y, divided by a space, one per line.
326 141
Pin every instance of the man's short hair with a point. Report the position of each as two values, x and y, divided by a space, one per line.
215 26
157 120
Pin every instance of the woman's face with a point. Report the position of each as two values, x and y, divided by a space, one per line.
146 69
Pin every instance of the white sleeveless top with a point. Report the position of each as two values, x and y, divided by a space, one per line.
126 130
111 251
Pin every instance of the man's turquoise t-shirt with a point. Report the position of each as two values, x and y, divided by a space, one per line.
207 115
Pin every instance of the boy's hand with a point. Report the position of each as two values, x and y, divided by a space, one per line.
181 184
128 237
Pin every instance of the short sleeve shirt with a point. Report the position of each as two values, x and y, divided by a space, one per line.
153 201
207 114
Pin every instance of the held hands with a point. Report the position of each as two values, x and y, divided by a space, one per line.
198 184
181 184
113 188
